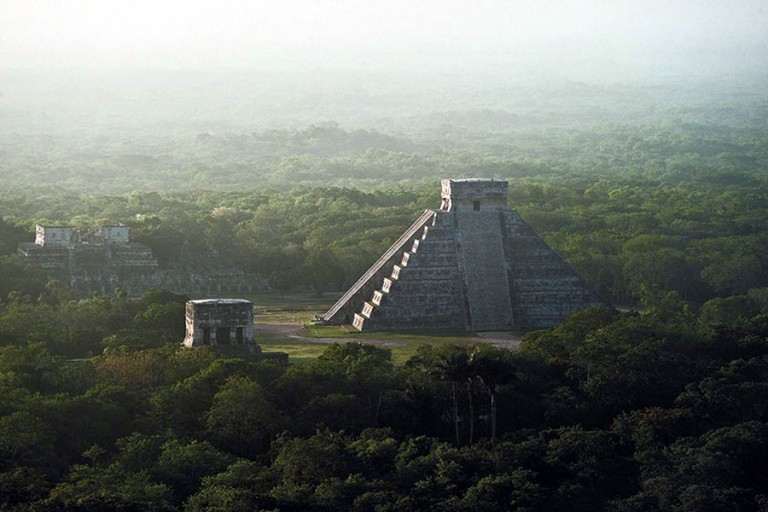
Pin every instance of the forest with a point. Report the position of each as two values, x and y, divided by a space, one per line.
657 196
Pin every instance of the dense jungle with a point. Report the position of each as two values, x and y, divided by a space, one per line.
657 194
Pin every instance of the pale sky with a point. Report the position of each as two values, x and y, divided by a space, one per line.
450 34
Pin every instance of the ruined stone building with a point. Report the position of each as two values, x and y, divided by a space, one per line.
219 322
106 259
227 326
97 262
473 264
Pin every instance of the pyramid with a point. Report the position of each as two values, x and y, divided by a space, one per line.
471 265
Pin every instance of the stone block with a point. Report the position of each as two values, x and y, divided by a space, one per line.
474 265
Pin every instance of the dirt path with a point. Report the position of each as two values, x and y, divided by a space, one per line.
295 331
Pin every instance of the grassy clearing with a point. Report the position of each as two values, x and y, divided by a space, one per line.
274 307
304 344
293 308
298 353
287 300
283 316
291 330
346 331
302 352
403 344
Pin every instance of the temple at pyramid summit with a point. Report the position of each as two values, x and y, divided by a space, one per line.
472 264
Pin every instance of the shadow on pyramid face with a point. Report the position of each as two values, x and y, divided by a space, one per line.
472 265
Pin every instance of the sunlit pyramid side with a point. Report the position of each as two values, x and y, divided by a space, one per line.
472 264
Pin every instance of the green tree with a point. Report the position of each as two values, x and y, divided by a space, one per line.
89 488
240 488
182 466
20 276
241 420
494 367
303 465
25 440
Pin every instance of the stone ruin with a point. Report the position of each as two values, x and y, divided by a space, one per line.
471 265
106 259
100 261
219 322
226 325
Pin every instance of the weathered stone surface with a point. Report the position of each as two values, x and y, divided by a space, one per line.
480 245
100 262
227 326
387 266
473 265
106 259
219 322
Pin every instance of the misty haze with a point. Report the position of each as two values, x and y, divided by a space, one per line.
339 255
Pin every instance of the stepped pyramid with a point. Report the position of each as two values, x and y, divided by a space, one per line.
472 265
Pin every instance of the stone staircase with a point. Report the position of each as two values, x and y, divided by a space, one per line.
482 256
353 300
473 265
422 288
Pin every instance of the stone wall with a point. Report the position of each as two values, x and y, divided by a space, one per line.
219 322
424 291
481 249
53 236
227 326
476 266
114 234
107 260
545 287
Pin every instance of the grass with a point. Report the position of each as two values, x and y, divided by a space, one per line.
408 349
403 344
298 353
345 331
298 350
300 309
302 352
288 300
278 308
275 307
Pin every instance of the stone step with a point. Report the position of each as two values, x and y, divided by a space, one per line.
358 322
417 229
368 308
